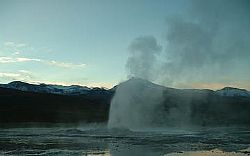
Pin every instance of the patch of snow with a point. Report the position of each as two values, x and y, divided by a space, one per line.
228 91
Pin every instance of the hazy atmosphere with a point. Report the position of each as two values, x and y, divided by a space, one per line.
175 43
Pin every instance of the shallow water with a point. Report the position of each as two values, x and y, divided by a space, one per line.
92 141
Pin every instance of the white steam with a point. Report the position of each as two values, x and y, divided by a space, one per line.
210 40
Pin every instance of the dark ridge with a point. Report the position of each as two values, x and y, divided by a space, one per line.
20 106
207 107
232 88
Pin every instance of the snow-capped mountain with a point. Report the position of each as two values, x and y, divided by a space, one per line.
78 90
229 91
54 89
82 104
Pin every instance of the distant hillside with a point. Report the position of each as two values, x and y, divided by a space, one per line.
54 89
229 91
24 106
23 102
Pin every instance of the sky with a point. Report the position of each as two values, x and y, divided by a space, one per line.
176 43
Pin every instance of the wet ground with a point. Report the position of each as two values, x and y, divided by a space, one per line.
98 140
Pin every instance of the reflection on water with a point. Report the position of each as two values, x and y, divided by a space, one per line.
215 152
103 142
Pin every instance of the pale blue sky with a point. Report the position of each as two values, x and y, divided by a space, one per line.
92 32
86 41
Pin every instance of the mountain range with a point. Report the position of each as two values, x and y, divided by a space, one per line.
53 89
23 102
80 90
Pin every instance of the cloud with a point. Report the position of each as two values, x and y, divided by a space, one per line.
16 53
24 59
24 71
15 48
7 60
17 59
13 44
64 64
9 75
20 75
8 44
48 62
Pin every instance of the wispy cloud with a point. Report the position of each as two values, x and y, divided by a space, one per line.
9 75
16 53
15 45
18 48
48 62
18 59
21 75
15 48
24 71
65 64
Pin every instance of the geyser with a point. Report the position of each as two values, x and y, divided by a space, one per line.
137 104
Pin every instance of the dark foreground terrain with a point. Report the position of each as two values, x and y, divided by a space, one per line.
94 140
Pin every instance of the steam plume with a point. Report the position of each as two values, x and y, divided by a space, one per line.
143 52
209 43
